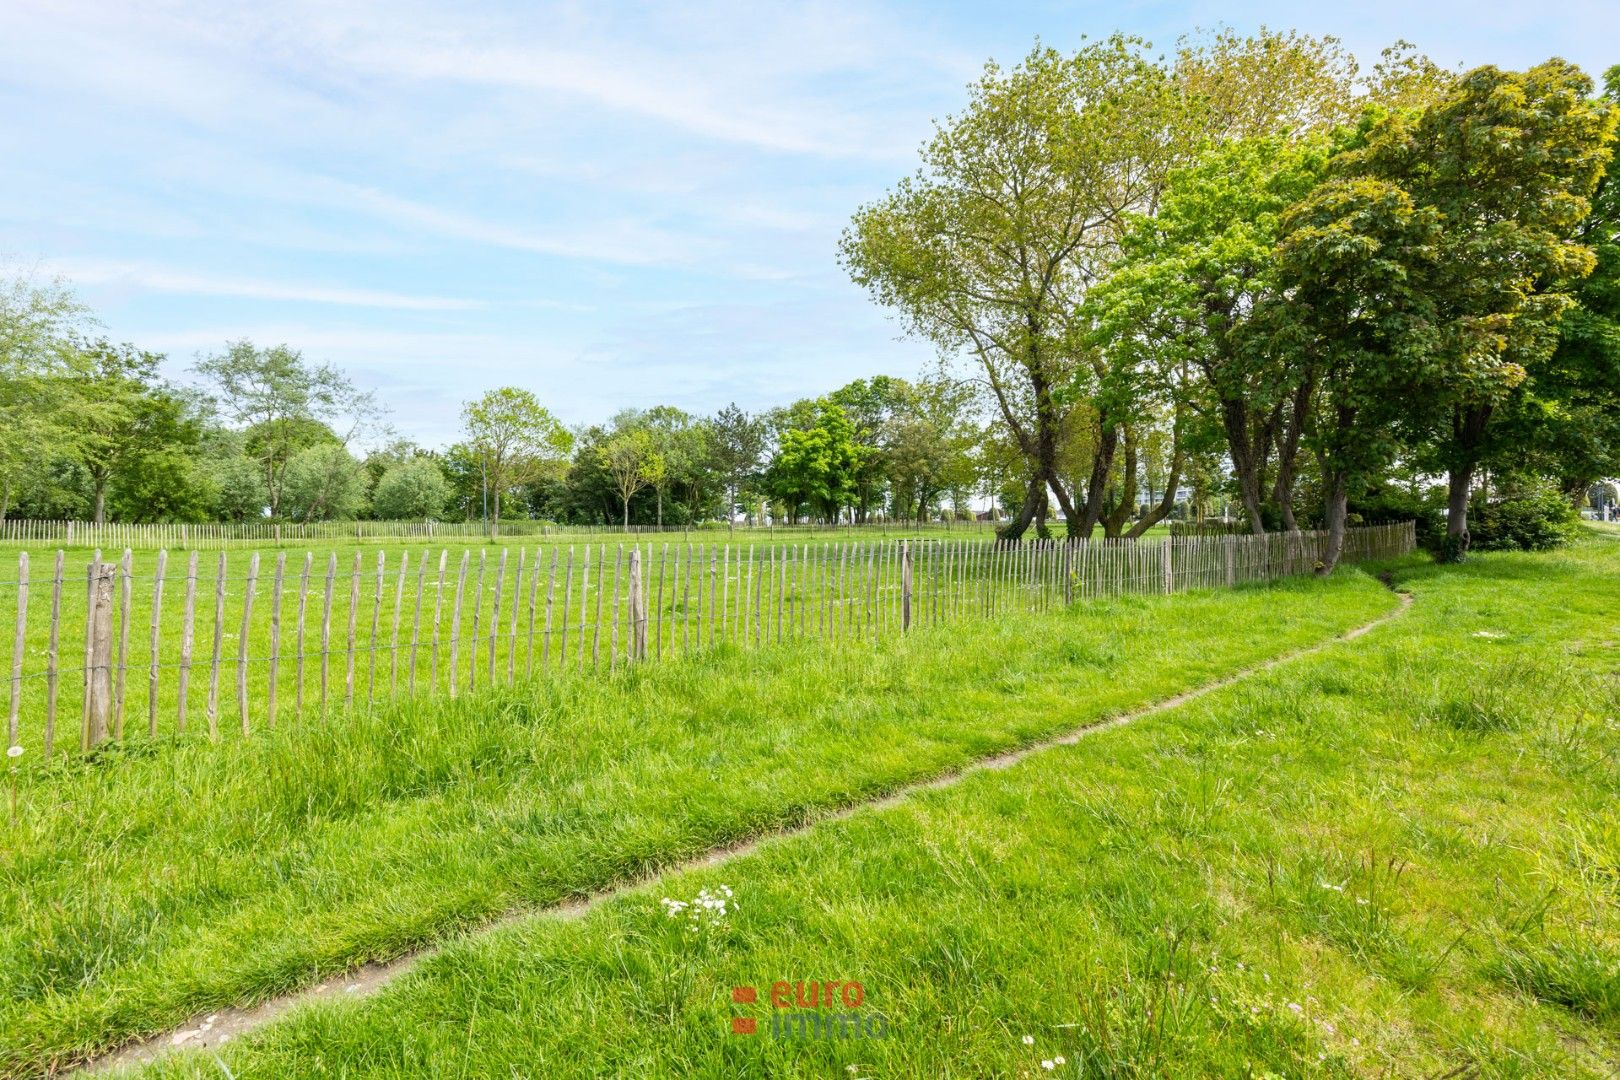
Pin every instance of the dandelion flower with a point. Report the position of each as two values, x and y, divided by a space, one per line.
1048 1065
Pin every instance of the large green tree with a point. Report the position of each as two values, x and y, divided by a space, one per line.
39 327
1175 311
514 440
126 418
1506 164
988 250
820 465
285 402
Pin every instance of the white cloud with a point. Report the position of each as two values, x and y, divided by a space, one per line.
165 280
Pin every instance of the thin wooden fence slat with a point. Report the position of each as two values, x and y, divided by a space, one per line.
242 641
187 639
753 587
658 623
613 641
219 643
89 644
567 609
51 656
19 646
376 625
275 638
399 604
551 592
534 586
416 619
98 681
125 583
638 608
354 617
495 614
455 621
596 624
438 611
682 593
302 646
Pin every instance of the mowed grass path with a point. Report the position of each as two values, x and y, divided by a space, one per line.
1397 857
174 876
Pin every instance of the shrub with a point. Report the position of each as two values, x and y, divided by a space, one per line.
1536 517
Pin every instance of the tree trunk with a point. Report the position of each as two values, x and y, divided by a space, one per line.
627 514
1460 483
1034 495
1335 499
1248 459
1167 501
1468 436
1097 483
1125 509
1288 436
100 514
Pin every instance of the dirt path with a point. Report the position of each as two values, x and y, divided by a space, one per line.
217 1028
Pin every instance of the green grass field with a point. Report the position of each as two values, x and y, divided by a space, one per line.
170 877
1397 857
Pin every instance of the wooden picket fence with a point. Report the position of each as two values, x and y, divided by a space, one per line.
209 536
305 636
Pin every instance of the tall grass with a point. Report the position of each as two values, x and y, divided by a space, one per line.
1396 857
147 883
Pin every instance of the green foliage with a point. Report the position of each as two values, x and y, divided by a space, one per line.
1533 516
285 404
513 440
324 483
819 466
411 490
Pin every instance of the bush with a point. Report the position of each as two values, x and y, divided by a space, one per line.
411 490
1536 517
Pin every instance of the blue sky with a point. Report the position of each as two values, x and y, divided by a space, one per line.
610 204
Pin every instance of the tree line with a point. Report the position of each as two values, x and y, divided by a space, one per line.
1335 289
265 433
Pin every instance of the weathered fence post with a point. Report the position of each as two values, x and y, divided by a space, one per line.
98 675
18 647
638 607
1169 567
905 585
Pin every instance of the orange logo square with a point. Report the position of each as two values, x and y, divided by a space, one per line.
743 995
742 1025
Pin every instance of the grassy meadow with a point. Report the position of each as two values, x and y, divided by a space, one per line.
163 878
1399 856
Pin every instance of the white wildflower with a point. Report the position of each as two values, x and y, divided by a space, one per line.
1029 1040
1058 1059
14 752
1293 1007
1048 1065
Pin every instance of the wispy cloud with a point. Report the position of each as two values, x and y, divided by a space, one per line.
166 280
